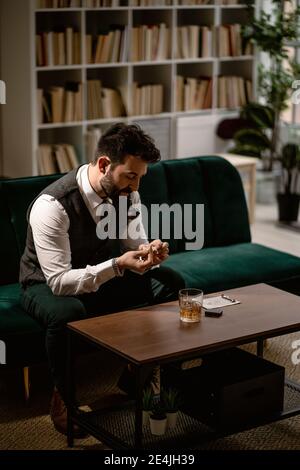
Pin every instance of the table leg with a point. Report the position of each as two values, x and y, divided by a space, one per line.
260 348
138 437
70 390
141 374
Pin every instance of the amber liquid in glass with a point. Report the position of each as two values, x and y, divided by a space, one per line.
190 312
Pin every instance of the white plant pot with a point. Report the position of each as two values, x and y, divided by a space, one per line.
145 417
172 419
158 426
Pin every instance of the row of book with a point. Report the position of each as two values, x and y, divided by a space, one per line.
230 41
59 158
109 46
232 2
193 93
117 3
234 91
194 41
58 48
59 4
193 2
77 3
202 41
150 42
150 3
60 104
146 99
103 102
101 3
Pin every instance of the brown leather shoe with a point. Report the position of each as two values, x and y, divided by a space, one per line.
58 414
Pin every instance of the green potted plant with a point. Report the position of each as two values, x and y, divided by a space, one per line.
171 400
288 196
253 136
148 396
270 33
158 419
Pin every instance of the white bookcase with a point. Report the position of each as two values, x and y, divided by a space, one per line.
177 134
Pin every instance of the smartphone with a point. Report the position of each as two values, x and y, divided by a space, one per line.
213 312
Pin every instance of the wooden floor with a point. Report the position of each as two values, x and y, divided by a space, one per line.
266 232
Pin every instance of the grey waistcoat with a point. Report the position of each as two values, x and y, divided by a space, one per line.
86 247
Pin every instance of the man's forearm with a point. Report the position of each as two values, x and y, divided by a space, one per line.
81 281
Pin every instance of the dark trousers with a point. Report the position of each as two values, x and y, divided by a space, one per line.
130 291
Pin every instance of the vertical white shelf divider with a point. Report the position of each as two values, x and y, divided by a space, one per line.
33 88
130 76
173 121
84 84
216 64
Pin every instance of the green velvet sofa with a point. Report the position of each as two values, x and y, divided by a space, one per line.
227 260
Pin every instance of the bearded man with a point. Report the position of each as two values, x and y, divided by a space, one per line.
68 272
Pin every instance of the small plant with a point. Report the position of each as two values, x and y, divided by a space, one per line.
158 419
148 396
171 399
158 411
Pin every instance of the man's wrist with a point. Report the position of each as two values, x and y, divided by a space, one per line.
118 269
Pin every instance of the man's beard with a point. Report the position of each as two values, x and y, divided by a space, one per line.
110 189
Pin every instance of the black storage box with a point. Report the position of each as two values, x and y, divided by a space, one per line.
231 388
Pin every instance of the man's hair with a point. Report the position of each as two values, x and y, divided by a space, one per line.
121 140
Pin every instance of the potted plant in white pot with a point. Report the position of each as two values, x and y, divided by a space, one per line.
158 419
171 401
148 396
288 195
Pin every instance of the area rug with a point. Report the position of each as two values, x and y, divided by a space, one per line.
28 426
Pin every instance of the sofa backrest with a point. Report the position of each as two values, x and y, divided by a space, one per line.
15 198
211 181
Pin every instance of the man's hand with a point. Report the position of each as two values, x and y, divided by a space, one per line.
160 250
139 261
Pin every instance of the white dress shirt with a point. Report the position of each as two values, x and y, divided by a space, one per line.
50 224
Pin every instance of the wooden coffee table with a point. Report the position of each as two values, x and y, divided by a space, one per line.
155 335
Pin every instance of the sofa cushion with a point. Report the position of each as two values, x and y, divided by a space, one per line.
18 194
9 254
13 318
221 268
23 336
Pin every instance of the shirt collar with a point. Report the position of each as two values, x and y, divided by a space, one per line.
92 196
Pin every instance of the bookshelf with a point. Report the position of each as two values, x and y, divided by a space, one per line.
144 50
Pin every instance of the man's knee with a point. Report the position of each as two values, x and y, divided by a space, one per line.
52 310
67 309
